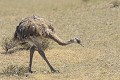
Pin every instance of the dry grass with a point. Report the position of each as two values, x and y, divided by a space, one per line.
96 22
10 46
14 70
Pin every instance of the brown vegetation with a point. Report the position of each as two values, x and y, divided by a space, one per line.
95 21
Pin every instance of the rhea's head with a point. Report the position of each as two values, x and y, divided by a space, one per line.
77 40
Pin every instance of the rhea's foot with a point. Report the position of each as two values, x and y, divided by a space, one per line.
30 71
55 71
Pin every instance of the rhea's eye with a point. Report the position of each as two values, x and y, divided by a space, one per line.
78 40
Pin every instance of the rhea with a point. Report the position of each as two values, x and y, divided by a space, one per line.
32 30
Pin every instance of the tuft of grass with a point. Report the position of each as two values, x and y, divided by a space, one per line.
85 0
115 3
8 43
45 44
10 46
14 70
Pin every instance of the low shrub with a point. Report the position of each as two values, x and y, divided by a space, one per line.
14 70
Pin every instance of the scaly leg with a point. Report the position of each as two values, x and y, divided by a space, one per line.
32 49
41 52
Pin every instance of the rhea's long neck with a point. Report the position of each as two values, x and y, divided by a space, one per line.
54 37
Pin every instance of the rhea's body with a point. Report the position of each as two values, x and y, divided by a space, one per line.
33 30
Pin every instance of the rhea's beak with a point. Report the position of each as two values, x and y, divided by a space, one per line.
79 42
81 45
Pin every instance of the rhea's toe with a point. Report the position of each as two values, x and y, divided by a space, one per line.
30 71
55 71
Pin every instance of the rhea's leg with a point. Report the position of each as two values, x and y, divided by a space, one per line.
41 52
32 49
